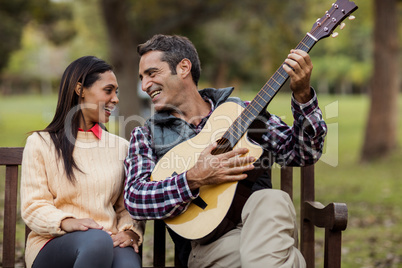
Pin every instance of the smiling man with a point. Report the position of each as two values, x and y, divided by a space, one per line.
265 234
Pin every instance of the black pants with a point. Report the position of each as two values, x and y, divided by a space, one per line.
92 248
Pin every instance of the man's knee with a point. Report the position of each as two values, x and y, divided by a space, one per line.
269 197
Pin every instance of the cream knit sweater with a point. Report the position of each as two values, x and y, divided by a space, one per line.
48 197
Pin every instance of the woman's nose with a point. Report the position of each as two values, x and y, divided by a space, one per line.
115 99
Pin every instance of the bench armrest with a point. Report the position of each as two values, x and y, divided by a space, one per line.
334 216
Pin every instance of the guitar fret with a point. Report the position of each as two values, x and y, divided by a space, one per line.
252 106
271 87
265 90
281 77
302 43
234 138
284 75
260 100
276 81
306 44
258 104
245 114
237 128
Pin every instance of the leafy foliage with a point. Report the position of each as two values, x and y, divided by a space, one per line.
239 42
13 18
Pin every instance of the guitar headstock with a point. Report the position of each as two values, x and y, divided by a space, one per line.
339 11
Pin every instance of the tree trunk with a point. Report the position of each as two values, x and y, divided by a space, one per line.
123 54
381 129
221 74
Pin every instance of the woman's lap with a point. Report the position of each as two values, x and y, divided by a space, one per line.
92 248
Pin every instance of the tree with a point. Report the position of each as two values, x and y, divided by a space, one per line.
39 28
381 130
123 57
129 23
17 13
13 19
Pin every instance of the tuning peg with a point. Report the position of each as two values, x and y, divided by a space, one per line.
335 34
351 17
342 26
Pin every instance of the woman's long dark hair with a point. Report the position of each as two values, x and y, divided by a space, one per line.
85 70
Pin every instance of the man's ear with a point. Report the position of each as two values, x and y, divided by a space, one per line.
78 88
184 67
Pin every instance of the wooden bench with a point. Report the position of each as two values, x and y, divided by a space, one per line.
333 217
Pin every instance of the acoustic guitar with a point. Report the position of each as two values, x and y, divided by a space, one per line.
218 207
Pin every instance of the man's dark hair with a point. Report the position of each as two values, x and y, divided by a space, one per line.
175 48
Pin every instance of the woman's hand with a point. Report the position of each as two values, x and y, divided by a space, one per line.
70 225
126 239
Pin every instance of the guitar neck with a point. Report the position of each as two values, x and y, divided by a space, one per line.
264 97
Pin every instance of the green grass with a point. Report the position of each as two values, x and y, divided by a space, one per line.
373 237
22 114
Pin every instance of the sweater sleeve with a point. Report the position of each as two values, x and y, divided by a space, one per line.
37 207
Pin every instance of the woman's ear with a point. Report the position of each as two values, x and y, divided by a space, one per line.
78 89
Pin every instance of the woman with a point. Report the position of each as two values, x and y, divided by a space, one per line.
72 179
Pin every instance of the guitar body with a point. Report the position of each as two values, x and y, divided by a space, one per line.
197 223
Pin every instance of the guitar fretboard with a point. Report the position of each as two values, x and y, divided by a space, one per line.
263 98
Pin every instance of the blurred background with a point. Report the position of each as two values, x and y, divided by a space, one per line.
241 44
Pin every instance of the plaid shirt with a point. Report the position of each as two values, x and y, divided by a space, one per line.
298 145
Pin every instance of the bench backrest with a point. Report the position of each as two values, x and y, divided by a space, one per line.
333 217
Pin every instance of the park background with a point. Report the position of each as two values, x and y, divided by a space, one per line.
241 44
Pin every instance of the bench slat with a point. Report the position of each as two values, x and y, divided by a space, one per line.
10 216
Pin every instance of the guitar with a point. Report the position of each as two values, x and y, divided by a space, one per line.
218 207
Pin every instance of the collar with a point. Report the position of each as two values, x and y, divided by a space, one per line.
96 129
214 96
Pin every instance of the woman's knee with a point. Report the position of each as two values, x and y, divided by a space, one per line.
96 241
95 249
97 236
126 258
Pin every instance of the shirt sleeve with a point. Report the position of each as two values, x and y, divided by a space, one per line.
146 199
302 143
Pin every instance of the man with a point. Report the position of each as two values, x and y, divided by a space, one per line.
266 235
